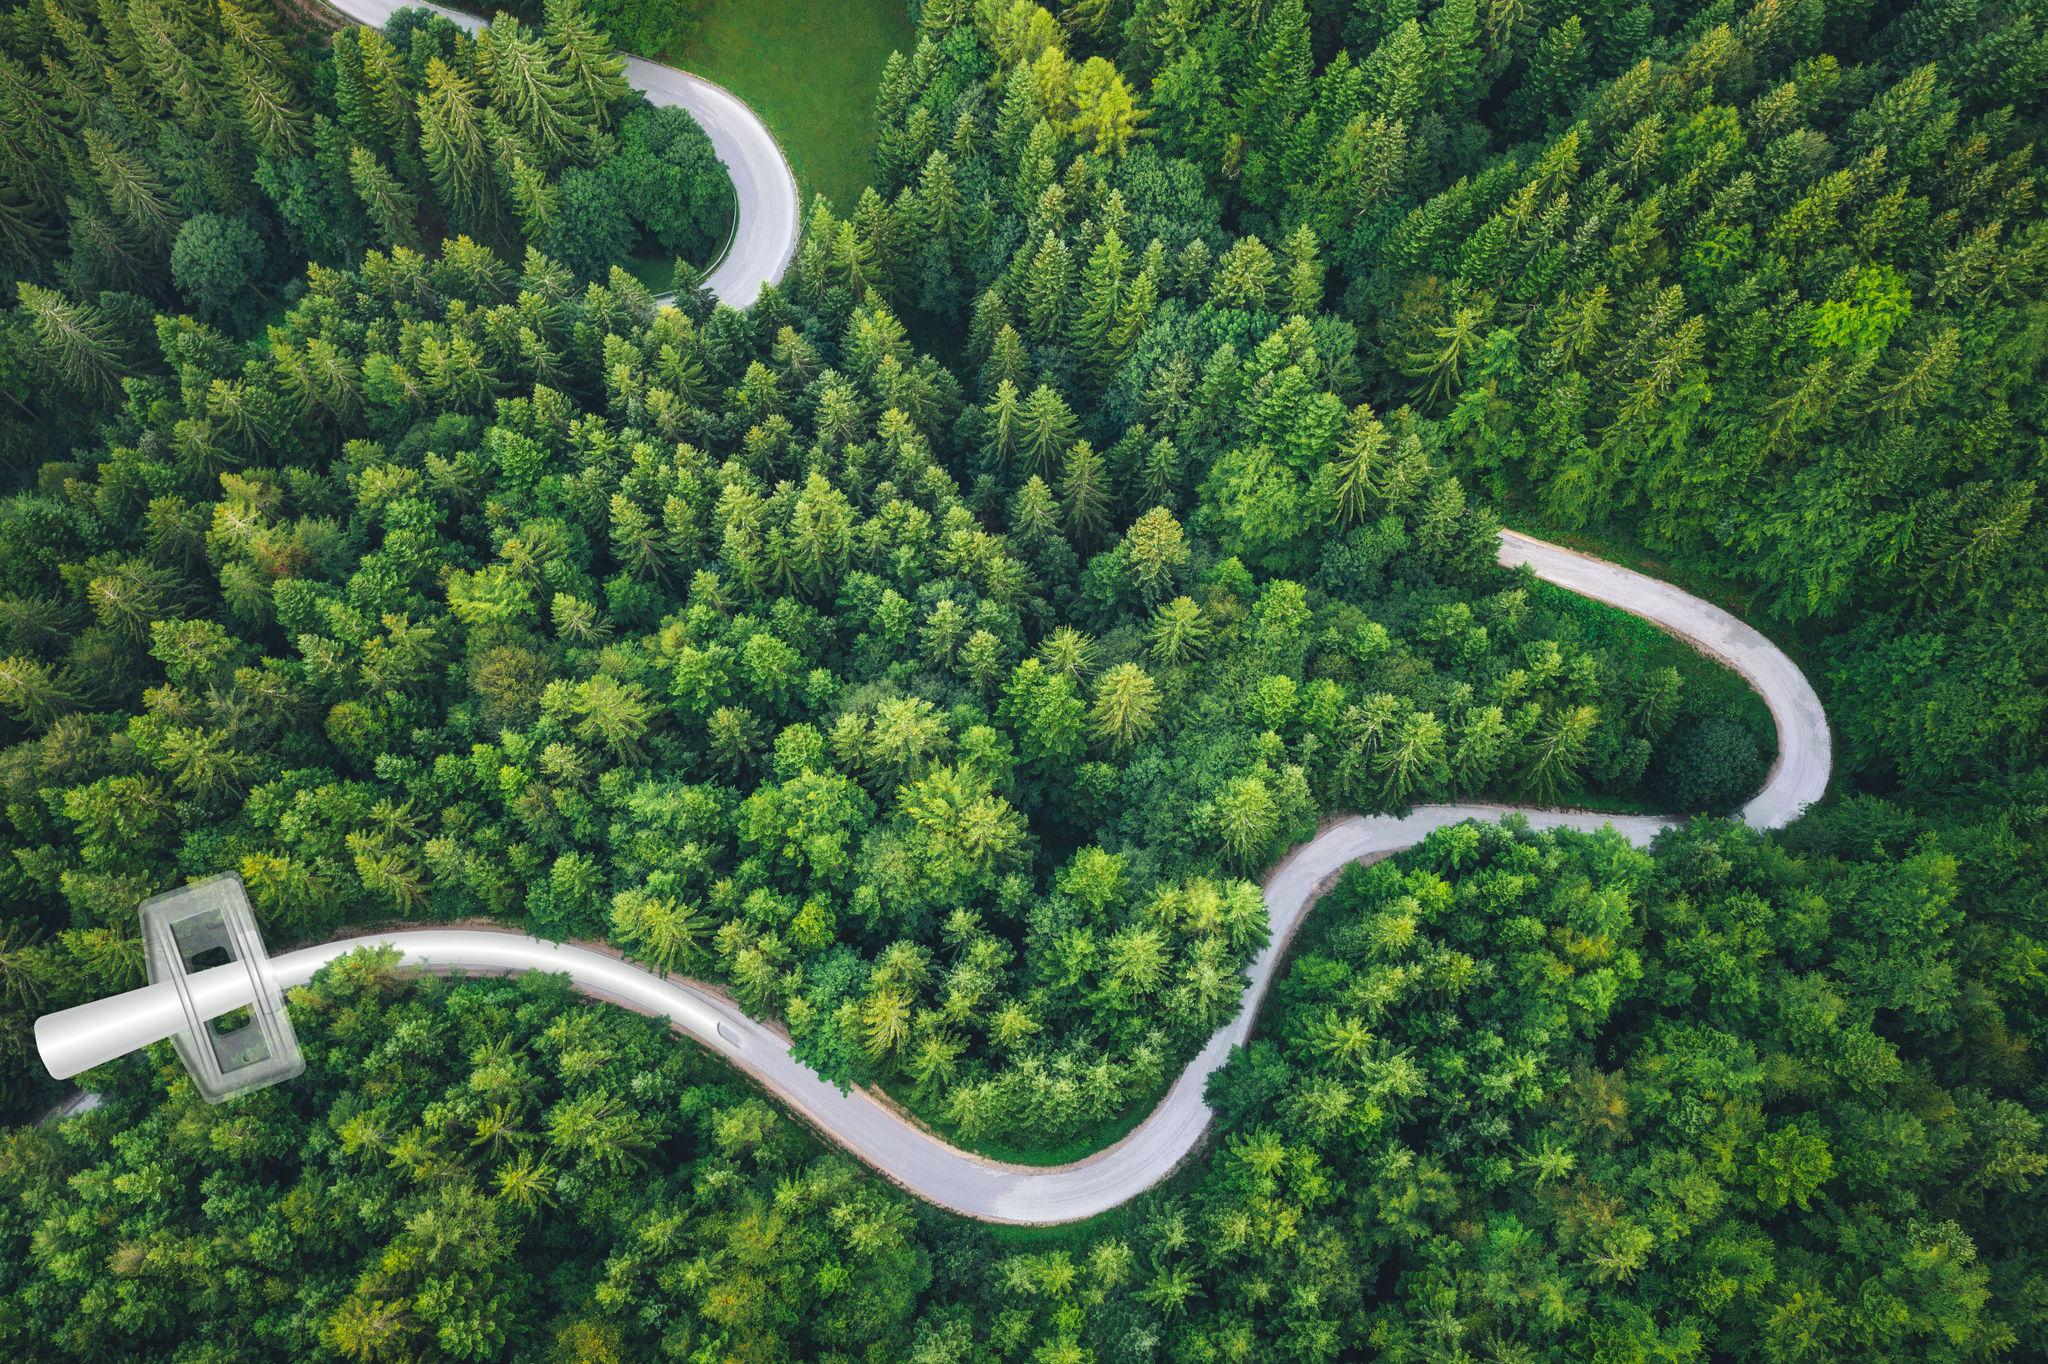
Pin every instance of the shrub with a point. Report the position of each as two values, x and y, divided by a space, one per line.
1709 765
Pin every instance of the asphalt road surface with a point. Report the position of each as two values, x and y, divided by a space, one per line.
969 1184
766 225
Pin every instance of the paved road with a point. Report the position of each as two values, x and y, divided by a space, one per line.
765 233
985 1189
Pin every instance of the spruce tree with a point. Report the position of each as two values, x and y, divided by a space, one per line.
387 203
594 75
1103 287
991 314
1304 277
452 142
1009 362
1004 418
77 343
1048 427
270 110
1047 290
134 190
1084 496
522 86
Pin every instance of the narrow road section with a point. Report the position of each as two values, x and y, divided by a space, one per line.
766 226
926 1166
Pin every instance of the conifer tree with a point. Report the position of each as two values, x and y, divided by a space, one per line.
1009 361
1398 76
1048 428
1304 278
76 341
1246 278
534 199
593 75
1126 707
1085 495
136 192
1047 290
387 203
522 86
270 110
1104 285
991 314
1004 422
938 197
452 142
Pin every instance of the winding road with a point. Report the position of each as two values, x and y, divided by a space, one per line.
766 225
764 240
990 1190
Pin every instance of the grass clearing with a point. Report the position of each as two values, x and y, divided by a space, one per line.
809 68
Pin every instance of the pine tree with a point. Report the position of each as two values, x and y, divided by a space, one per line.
170 58
76 341
135 191
1048 428
272 112
938 197
386 202
535 200
33 144
1179 633
24 242
1413 760
1159 479
1452 39
1047 290
1247 278
1304 277
594 75
355 98
1009 362
1555 72
1365 163
1103 287
1398 75
1022 111
250 33
1034 513
386 77
1084 495
1126 707
1004 421
1106 110
1553 756
1356 466
1276 97
991 314
515 71
453 145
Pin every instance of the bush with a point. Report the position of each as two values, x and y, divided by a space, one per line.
592 229
672 182
1709 765
215 262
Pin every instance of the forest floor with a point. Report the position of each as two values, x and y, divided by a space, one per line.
810 69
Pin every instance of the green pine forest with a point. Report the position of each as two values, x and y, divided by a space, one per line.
935 652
